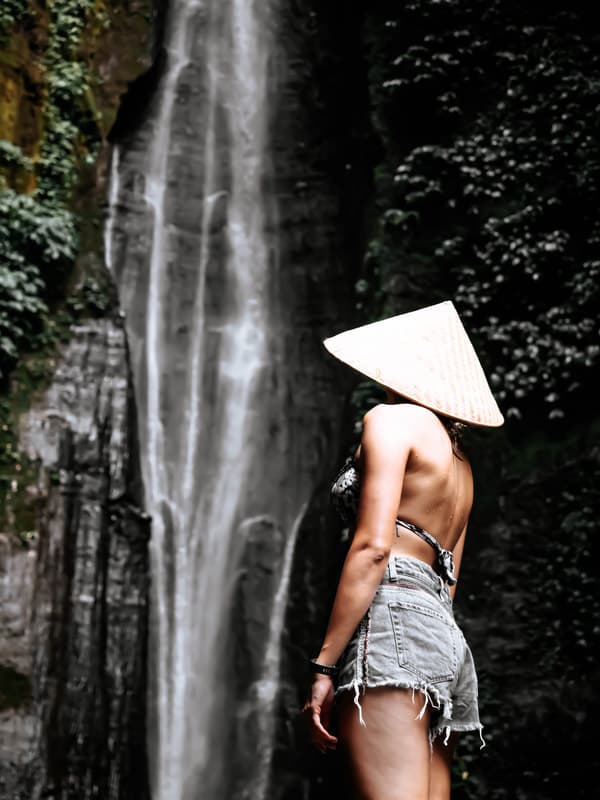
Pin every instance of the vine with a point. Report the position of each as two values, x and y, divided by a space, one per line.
40 234
69 131
40 243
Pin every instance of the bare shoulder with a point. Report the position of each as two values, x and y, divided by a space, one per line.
394 424
400 417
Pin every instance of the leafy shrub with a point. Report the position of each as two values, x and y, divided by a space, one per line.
487 193
36 251
12 156
490 115
11 12
40 241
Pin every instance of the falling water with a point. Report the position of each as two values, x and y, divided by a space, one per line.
266 687
200 357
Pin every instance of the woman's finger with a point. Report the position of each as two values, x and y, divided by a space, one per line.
320 737
325 735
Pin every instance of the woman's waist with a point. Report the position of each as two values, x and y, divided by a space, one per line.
409 571
409 545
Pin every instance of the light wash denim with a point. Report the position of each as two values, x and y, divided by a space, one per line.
409 638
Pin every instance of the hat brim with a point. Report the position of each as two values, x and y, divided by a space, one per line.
426 357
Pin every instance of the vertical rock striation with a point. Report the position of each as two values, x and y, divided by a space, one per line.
324 153
17 721
85 722
234 245
245 230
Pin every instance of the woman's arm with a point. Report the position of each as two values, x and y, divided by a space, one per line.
384 453
385 447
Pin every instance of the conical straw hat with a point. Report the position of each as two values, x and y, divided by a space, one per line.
425 356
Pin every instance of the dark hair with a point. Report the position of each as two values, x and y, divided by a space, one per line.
455 430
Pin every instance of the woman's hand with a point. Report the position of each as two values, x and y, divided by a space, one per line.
317 713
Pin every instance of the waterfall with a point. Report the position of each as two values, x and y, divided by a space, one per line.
265 690
189 239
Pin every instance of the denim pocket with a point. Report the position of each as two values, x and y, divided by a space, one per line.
425 640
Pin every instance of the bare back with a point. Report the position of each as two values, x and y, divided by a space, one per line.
437 487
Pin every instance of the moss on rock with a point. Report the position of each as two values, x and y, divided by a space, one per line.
63 69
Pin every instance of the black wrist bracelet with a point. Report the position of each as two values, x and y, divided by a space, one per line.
323 669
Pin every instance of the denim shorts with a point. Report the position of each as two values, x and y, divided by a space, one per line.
409 639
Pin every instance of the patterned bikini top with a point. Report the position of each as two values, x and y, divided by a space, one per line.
345 494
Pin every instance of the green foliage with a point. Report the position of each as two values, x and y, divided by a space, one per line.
93 298
39 296
69 130
40 240
36 251
493 182
11 12
56 174
20 307
12 156
487 193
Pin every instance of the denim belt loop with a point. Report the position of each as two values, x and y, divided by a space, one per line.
392 569
441 587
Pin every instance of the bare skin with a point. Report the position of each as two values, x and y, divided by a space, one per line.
408 470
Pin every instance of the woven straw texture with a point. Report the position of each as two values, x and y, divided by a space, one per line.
425 356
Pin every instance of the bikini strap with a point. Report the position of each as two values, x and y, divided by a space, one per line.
444 557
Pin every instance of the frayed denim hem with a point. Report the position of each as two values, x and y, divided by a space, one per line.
429 691
431 697
449 727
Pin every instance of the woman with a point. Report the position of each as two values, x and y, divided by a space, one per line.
393 657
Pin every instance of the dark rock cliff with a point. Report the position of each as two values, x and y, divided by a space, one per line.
325 143
73 539
75 599
74 592
319 180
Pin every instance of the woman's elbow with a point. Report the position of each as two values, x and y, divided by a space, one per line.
376 553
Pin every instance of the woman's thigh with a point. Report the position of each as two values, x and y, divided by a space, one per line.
441 768
390 758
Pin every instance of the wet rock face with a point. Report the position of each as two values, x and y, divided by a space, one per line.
17 722
324 150
79 660
314 181
83 587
